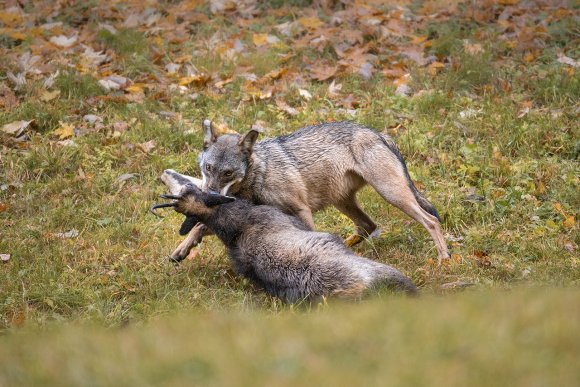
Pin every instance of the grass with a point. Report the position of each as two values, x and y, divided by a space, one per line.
518 338
104 306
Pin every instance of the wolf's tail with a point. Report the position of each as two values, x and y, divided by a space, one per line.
424 203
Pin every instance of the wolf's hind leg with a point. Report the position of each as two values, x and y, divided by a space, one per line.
402 197
365 226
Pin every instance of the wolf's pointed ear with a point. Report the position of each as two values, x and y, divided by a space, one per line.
212 200
247 141
210 134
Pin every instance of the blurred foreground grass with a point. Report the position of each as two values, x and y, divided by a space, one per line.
525 337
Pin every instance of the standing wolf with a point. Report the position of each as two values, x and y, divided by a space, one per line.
281 254
310 169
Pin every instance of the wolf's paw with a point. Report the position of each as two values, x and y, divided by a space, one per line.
352 240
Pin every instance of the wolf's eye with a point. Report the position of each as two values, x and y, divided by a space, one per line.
228 173
208 167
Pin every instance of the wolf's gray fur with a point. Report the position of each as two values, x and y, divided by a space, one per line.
279 253
315 167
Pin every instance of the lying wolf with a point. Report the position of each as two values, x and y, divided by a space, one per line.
310 169
280 253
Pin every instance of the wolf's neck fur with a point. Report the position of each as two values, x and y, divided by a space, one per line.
252 183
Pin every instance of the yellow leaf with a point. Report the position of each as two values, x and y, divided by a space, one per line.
276 74
49 95
418 39
569 222
260 39
199 79
64 131
310 22
135 88
17 35
186 81
529 57
10 18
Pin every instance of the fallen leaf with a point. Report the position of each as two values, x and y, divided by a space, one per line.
49 95
126 176
282 105
92 119
456 285
472 49
435 67
529 57
63 41
219 6
276 74
113 82
198 80
135 88
68 234
222 83
16 128
323 72
334 89
3 207
366 70
64 131
569 246
569 222
259 39
568 61
310 22
147 147
172 68
403 90
19 79
260 126
120 126
305 94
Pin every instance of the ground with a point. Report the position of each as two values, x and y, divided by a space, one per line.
98 98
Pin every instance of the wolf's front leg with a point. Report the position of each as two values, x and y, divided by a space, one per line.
193 239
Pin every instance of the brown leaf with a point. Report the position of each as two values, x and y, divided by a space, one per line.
3 207
16 128
282 105
568 61
310 22
147 147
276 74
322 72
472 49
569 222
260 126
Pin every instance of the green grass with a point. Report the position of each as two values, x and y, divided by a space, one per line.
519 338
100 307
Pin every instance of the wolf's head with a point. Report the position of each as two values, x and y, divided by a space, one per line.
225 159
192 202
